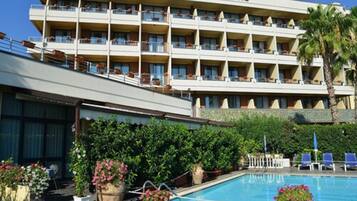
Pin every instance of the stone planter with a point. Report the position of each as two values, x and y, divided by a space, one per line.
112 193
22 193
87 198
197 175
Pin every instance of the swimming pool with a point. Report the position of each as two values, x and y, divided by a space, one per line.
264 187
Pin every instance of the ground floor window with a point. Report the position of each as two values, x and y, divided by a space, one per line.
262 102
233 101
211 102
36 132
283 103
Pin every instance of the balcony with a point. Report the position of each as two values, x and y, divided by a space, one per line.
94 15
93 46
154 17
37 12
210 23
212 52
150 79
184 51
125 17
184 22
124 48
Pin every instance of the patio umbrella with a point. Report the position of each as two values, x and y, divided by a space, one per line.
315 146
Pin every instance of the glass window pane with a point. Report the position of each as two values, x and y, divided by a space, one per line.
54 140
10 105
33 109
9 139
33 140
55 112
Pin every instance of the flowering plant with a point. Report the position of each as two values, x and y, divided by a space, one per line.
36 177
156 195
109 171
10 174
79 168
294 193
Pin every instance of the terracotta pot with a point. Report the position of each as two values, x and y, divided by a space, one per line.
28 44
112 193
2 35
22 193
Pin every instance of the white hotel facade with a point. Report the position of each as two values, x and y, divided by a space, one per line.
224 53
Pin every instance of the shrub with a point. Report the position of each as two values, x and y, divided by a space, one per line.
36 177
79 167
155 195
294 193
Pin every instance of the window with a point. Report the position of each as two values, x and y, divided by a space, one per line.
234 101
96 67
262 102
210 72
233 18
98 37
257 20
207 15
179 41
260 74
179 72
259 46
281 75
121 68
282 48
128 9
121 38
91 6
209 43
232 44
153 14
233 73
63 36
181 13
211 102
282 23
307 103
326 102
283 103
156 43
157 72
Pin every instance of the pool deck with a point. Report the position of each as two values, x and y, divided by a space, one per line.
66 189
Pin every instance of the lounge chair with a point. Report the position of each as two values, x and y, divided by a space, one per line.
327 161
306 161
350 161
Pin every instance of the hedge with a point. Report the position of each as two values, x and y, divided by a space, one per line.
286 137
160 150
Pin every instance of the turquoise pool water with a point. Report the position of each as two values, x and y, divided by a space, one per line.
263 187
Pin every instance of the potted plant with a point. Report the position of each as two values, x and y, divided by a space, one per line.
197 173
79 169
109 179
36 177
294 193
156 195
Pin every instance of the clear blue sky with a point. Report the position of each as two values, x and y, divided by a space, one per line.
14 16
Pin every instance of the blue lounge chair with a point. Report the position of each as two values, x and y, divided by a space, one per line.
305 161
350 161
327 161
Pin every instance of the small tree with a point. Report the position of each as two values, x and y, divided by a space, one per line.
327 34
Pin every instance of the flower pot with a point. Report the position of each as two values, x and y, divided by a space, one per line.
22 193
112 193
197 176
87 198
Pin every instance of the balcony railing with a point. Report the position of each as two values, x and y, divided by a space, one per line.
234 20
338 83
235 48
263 51
126 42
265 79
154 16
96 68
98 41
182 16
159 47
313 82
62 8
209 18
125 12
289 81
60 39
212 77
37 6
35 38
183 45
240 79
210 47
150 79
94 9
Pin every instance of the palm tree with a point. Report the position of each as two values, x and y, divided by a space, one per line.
327 34
352 72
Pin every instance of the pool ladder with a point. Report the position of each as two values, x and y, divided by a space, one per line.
149 183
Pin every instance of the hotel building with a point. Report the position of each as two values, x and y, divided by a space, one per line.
224 54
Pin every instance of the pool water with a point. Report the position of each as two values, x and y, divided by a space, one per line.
264 187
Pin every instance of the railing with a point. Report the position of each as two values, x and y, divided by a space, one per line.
62 8
98 41
154 16
289 81
279 25
94 9
37 6
125 12
263 51
212 77
313 82
124 42
265 79
150 79
265 161
235 48
210 47
35 39
338 83
258 23
182 16
60 39
234 20
183 45
240 79
159 47
209 18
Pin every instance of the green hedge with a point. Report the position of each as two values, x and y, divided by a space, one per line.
160 150
286 137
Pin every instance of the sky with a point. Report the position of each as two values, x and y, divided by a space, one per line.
14 16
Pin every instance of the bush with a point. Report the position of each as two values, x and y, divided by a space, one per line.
294 193
162 150
79 167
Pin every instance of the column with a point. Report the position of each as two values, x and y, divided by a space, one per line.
225 70
224 103
274 72
198 68
298 104
139 40
109 37
272 44
78 34
250 71
294 46
249 42
319 105
275 104
341 104
251 104
197 106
